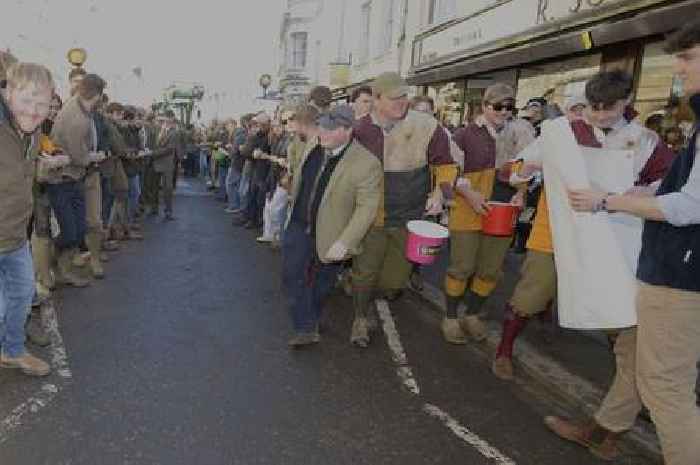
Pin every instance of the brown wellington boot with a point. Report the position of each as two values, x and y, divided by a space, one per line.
65 274
41 253
599 441
93 242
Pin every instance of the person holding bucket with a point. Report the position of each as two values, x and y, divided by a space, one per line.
606 127
478 247
334 198
409 143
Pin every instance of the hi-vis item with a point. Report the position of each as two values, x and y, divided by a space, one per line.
595 253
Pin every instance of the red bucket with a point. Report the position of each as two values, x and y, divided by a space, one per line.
499 221
424 241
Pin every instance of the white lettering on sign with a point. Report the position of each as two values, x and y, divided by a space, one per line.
507 20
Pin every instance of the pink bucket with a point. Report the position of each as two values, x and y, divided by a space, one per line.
425 239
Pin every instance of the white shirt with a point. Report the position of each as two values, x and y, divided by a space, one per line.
683 208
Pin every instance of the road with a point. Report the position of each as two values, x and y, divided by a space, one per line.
180 357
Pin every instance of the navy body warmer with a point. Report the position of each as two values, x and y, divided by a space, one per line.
670 254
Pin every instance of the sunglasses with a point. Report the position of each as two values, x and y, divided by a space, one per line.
503 106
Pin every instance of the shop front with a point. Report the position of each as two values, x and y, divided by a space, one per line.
549 49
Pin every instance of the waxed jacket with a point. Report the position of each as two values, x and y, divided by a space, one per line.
17 159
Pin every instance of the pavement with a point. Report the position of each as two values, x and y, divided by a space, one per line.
179 357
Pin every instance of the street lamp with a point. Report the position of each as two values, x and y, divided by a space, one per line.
265 81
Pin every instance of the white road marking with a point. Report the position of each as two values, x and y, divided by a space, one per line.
397 353
47 392
405 374
467 436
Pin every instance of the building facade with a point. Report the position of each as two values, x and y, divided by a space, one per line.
545 48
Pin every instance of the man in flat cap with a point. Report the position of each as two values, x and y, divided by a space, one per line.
414 150
334 200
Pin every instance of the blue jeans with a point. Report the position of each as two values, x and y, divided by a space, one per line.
68 203
16 292
233 181
243 190
306 281
203 165
256 202
107 199
223 172
134 194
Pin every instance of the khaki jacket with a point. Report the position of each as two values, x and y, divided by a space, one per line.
167 148
72 131
17 157
349 204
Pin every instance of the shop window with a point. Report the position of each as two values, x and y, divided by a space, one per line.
449 102
556 81
659 92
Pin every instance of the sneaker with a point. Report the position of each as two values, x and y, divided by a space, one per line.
27 363
231 210
300 340
263 239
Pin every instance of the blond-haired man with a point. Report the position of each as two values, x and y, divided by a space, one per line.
24 105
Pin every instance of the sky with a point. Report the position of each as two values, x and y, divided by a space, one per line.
223 44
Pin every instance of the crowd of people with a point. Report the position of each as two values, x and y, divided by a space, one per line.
333 187
78 178
340 182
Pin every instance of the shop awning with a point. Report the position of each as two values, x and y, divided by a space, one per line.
642 24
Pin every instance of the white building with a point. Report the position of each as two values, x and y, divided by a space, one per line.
309 36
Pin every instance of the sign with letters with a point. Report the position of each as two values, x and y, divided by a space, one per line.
495 24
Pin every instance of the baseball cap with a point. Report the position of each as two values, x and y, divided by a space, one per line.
498 92
336 117
537 102
390 84
573 100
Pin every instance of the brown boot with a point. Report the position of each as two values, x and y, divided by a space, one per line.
452 332
599 441
65 274
513 325
29 364
474 326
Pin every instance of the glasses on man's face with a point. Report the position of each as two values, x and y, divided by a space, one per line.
502 106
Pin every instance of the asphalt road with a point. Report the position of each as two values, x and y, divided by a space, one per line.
180 357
